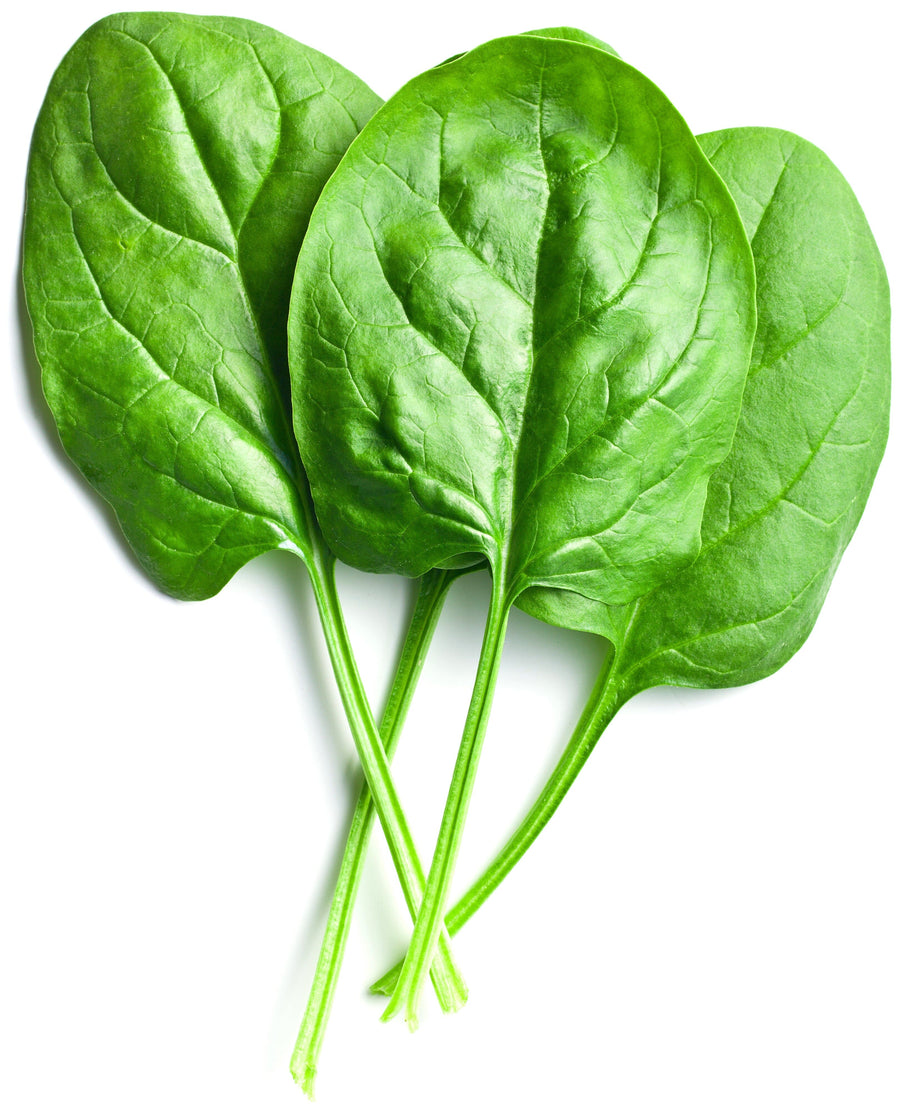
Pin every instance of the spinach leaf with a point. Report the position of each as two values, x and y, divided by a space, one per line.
783 506
174 166
173 170
487 258
520 328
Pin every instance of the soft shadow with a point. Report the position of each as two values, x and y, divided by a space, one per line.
582 654
41 411
299 968
663 698
288 573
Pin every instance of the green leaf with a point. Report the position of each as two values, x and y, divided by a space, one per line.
520 326
173 169
783 506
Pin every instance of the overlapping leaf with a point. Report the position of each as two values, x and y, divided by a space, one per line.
783 506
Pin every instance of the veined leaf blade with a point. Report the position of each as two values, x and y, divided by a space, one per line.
493 350
173 169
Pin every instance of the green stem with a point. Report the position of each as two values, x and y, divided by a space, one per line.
430 598
601 707
430 921
376 767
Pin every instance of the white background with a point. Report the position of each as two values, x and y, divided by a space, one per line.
710 923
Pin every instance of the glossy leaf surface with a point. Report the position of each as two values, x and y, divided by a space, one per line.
521 321
783 506
174 166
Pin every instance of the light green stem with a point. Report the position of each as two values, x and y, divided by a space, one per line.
430 921
375 765
604 701
430 598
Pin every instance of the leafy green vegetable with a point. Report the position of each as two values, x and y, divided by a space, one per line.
428 305
783 506
158 275
174 166
520 327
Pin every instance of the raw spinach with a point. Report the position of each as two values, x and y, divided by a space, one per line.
520 331
173 169
784 504
520 328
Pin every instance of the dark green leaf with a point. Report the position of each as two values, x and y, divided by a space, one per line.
174 166
521 321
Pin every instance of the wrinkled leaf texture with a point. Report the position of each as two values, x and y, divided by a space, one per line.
783 506
520 327
174 166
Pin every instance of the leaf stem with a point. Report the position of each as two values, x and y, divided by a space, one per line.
432 591
376 767
604 701
430 921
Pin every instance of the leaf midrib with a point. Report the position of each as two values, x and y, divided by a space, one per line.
511 586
